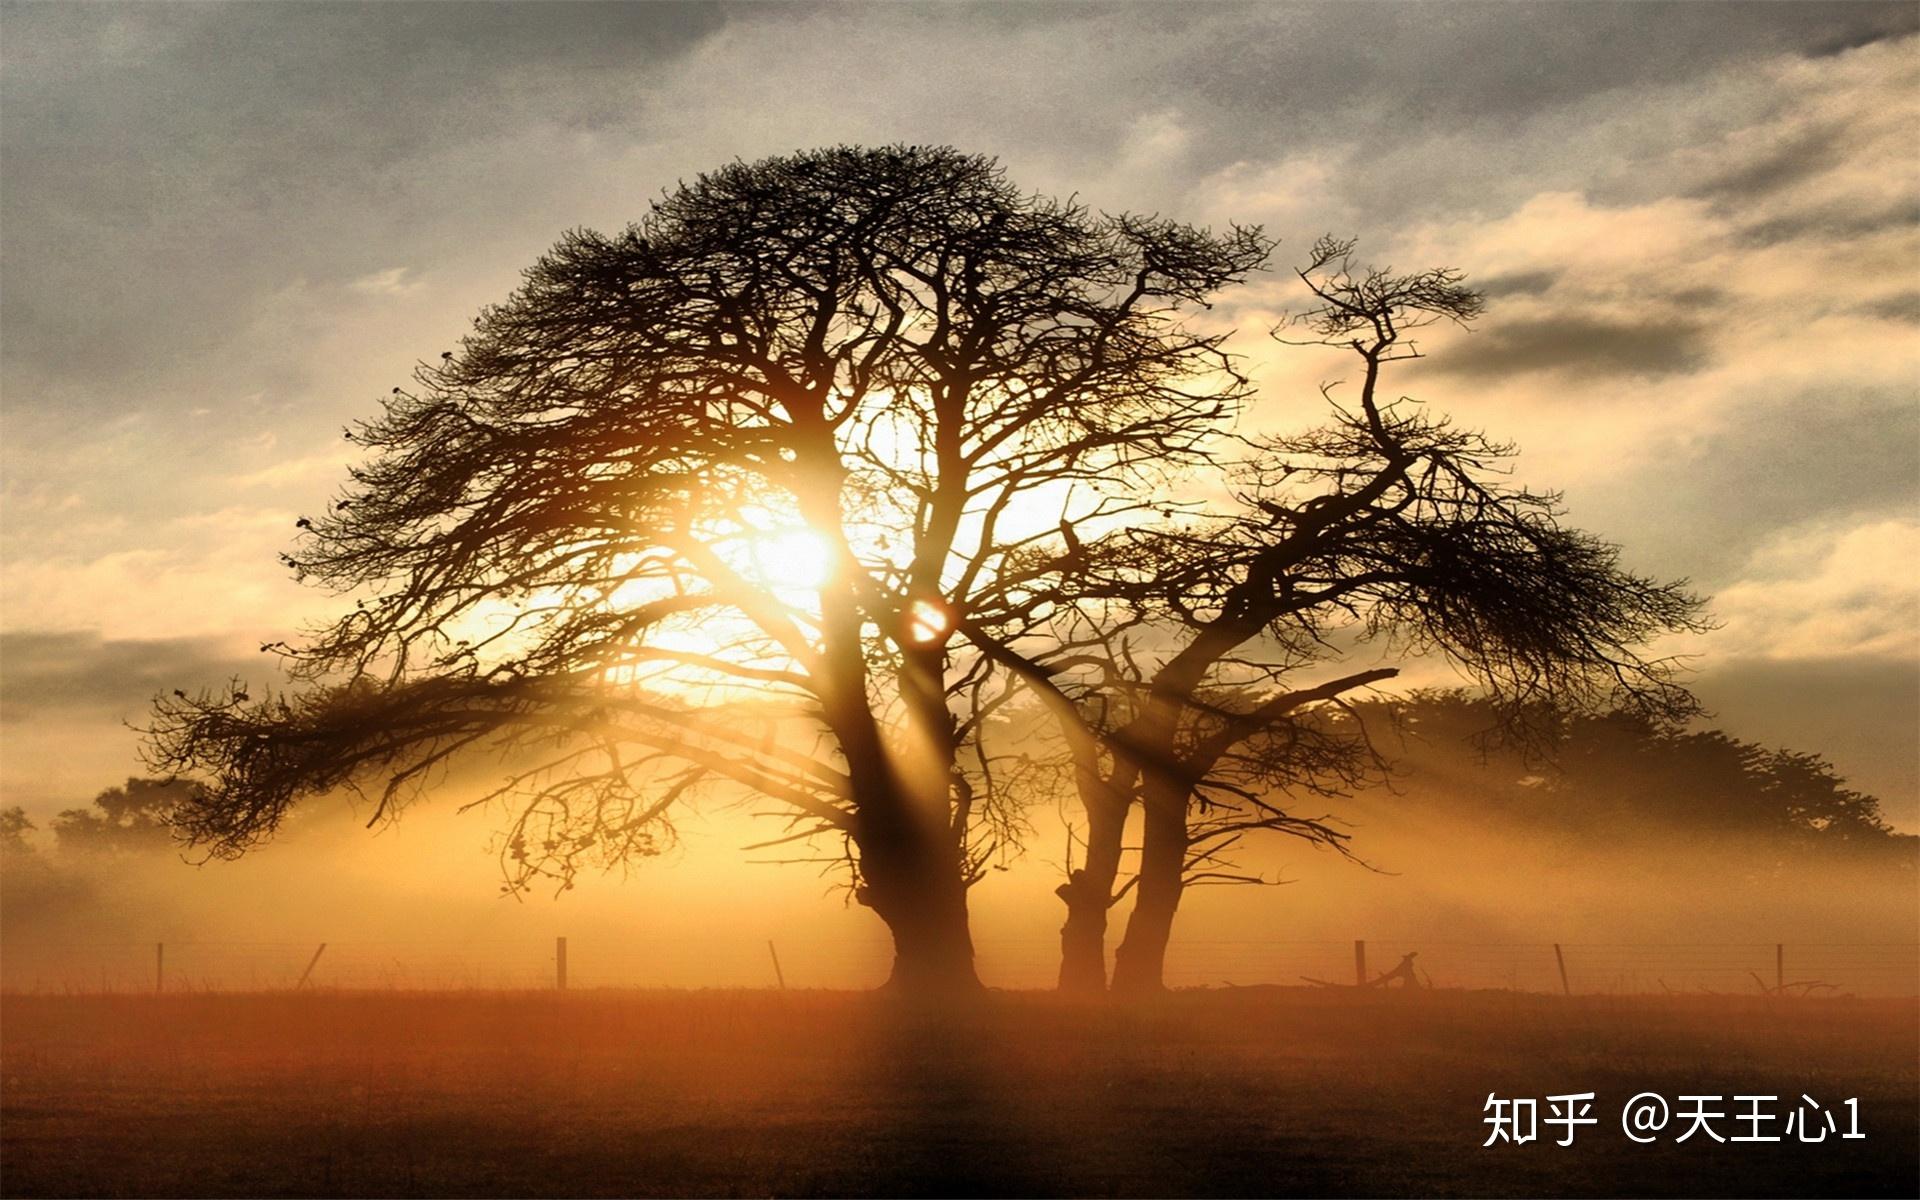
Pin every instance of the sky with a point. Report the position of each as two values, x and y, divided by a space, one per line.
227 230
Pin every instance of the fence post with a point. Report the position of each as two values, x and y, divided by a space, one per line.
778 975
1359 963
1779 967
1561 959
159 967
560 963
311 964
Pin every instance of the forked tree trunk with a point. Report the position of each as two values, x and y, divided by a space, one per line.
1139 965
1088 894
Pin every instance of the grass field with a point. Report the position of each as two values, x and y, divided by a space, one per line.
1243 1091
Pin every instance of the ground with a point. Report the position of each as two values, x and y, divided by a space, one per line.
1247 1091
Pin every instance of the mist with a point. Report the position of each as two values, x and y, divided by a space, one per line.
1481 894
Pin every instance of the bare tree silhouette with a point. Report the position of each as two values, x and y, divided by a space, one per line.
1184 659
745 468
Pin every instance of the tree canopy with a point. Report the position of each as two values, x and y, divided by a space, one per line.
1611 773
810 485
741 469
1189 670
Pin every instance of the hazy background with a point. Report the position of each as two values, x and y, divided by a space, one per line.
1481 895
228 230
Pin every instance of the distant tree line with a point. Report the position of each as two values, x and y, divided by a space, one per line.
1612 772
130 818
1583 774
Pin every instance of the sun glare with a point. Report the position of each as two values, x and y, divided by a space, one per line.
798 558
929 621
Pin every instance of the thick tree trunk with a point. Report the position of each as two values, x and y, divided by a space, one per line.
932 947
1088 894
912 880
913 858
1139 966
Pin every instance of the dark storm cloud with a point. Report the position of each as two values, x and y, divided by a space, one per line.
1587 346
84 672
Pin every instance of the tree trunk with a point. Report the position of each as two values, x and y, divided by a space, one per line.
1088 893
1139 966
932 947
912 880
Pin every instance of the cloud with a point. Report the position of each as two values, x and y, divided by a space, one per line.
1831 592
71 695
1775 462
141 136
207 575
312 471
1903 307
393 281
1595 348
1840 220
1517 283
69 673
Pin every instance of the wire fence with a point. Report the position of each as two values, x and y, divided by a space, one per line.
1591 968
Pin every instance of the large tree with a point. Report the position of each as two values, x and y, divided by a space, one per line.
704 505
1186 659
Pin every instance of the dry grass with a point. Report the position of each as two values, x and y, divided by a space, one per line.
1248 1091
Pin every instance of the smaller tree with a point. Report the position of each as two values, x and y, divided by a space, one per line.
137 816
1191 687
15 829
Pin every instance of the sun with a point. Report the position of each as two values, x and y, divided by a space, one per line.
793 558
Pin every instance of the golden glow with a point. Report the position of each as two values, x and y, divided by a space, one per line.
929 621
793 558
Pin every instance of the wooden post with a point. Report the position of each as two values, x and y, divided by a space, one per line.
1561 959
159 967
1359 963
560 963
1779 967
777 973
311 963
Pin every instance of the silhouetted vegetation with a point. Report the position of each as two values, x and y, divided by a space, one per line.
1621 774
561 536
15 830
1196 689
801 488
136 816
